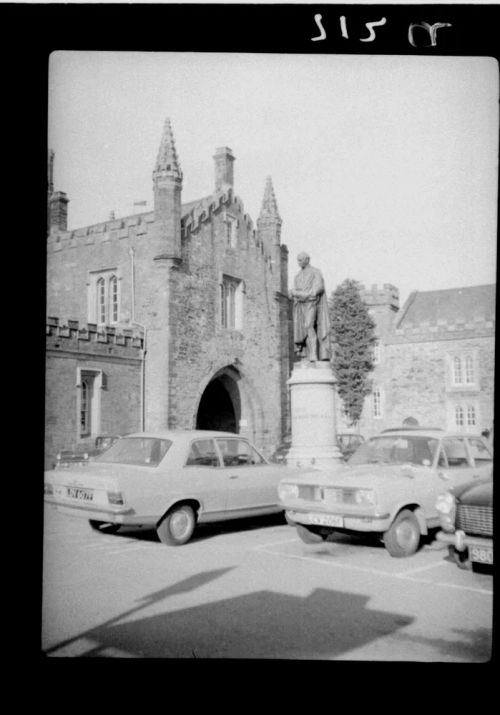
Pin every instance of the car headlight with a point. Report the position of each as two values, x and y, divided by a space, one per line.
288 491
48 488
446 506
365 497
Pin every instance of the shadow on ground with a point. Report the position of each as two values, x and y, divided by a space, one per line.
207 531
264 624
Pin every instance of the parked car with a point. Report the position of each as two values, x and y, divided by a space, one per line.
348 443
81 453
169 481
466 515
388 487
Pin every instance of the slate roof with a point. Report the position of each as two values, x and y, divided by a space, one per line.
451 305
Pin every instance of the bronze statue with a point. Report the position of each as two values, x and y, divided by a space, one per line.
311 322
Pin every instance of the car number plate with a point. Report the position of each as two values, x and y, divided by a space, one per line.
326 520
481 555
78 493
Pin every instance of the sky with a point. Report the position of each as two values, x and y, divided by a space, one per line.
385 168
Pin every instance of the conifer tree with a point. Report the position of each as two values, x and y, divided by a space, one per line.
353 337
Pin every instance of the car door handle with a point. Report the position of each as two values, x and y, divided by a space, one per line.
233 476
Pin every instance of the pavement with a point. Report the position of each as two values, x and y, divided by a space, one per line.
251 589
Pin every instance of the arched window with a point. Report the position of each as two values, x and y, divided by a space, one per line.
231 292
113 299
104 303
101 301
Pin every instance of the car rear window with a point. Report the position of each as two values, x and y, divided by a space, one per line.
143 451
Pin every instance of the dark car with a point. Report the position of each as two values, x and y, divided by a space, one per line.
81 453
348 443
466 516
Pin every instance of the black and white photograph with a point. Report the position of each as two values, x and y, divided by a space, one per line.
270 345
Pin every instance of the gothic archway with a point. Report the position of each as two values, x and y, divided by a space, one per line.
220 405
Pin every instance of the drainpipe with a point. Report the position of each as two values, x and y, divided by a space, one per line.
143 327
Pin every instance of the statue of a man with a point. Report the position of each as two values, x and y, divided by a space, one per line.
311 322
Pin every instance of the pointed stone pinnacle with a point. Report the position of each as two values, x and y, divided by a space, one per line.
269 205
166 160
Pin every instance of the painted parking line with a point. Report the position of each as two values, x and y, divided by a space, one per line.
405 575
446 584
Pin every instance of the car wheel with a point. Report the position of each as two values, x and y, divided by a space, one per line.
177 527
104 526
403 536
461 558
307 535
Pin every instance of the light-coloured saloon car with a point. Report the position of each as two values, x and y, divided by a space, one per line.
389 486
168 481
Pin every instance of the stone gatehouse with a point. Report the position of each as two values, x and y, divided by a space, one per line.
187 311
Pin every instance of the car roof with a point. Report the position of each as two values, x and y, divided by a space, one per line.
410 428
187 434
426 431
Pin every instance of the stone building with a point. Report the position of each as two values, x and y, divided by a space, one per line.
172 318
434 359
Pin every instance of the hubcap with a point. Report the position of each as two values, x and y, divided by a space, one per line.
406 534
179 524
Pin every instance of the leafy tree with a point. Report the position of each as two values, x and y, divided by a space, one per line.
353 337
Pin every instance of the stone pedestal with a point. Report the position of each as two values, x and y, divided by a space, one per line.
312 396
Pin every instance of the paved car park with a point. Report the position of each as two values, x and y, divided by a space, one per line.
253 589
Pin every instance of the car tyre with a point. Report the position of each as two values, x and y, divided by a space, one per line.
178 525
104 526
307 535
461 558
403 536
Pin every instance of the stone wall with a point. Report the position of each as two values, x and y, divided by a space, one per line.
116 355
258 350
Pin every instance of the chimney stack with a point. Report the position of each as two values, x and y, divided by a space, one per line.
58 211
223 168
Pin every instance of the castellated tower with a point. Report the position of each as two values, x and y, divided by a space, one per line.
165 251
383 305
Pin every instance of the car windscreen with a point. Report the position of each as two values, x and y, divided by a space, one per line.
396 449
144 451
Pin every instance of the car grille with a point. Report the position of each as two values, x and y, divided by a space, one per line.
475 519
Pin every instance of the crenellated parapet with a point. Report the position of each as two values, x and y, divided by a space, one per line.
457 329
203 211
385 295
107 340
114 230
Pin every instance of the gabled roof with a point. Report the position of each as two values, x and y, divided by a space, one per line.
467 304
